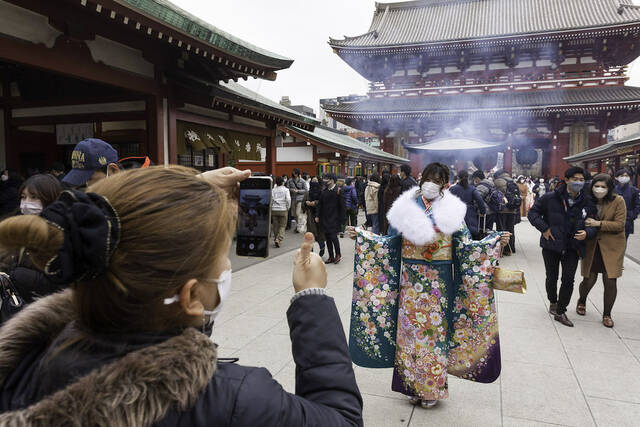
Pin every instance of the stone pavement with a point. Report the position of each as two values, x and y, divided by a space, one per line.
552 375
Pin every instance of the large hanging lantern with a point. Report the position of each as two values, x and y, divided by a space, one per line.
527 156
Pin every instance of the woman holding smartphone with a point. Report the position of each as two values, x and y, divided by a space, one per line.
605 253
129 343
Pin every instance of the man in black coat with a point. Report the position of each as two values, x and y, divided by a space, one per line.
331 215
560 216
407 180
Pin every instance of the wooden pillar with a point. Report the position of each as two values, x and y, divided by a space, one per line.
271 157
508 159
172 127
155 129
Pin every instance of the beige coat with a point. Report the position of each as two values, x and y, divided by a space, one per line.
611 239
371 197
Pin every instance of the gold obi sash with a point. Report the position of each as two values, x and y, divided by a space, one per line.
441 249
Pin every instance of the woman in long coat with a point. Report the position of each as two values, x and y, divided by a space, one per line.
605 253
309 206
524 192
446 324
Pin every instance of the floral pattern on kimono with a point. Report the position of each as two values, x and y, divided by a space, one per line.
374 309
474 351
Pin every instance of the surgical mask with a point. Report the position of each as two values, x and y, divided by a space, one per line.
430 190
224 286
576 186
541 181
30 207
4 177
600 192
624 179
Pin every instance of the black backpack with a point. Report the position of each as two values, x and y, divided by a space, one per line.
514 199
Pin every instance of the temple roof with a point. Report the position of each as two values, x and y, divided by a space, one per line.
433 21
605 150
455 144
550 100
167 13
240 97
342 141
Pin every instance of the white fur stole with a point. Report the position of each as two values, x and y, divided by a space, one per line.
410 219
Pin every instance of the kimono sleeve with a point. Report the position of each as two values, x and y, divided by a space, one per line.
374 304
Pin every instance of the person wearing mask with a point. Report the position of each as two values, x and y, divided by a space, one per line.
9 193
311 207
430 221
407 180
91 161
524 195
280 205
391 193
604 254
330 215
298 187
493 199
474 203
351 203
506 219
631 198
384 182
132 335
360 187
36 193
371 201
560 216
307 181
540 189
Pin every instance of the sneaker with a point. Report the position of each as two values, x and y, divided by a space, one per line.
562 318
553 307
277 244
337 259
329 261
426 404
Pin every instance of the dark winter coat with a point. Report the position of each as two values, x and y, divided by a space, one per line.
172 380
501 184
631 198
554 211
9 197
472 198
29 281
408 183
331 210
350 197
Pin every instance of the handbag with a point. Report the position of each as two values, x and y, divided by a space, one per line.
11 300
509 280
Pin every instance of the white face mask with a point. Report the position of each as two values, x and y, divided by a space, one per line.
224 286
430 190
30 207
624 179
600 192
4 177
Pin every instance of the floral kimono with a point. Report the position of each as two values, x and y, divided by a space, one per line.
446 320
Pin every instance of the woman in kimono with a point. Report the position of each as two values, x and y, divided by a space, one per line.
447 322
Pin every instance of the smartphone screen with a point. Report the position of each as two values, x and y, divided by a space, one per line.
254 217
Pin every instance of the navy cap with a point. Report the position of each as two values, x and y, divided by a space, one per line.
89 156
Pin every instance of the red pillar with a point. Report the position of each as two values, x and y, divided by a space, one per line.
270 158
508 159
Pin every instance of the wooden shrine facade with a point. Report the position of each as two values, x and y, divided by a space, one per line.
543 74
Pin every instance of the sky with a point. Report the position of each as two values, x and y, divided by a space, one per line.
300 30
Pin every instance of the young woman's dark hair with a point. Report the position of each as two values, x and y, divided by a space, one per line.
607 179
43 187
279 180
437 172
463 179
374 177
385 179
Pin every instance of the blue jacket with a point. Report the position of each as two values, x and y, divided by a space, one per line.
630 195
553 211
472 198
350 197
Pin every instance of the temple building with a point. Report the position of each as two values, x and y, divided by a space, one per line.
523 84
150 79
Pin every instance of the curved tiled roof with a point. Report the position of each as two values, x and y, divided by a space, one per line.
169 14
604 150
432 21
490 101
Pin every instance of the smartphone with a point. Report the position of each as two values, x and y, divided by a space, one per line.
254 217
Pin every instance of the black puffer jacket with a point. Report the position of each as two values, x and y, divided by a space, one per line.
172 379
554 211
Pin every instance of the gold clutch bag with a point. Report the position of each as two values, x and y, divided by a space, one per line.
509 280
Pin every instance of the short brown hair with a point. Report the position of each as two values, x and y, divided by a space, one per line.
44 187
174 225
